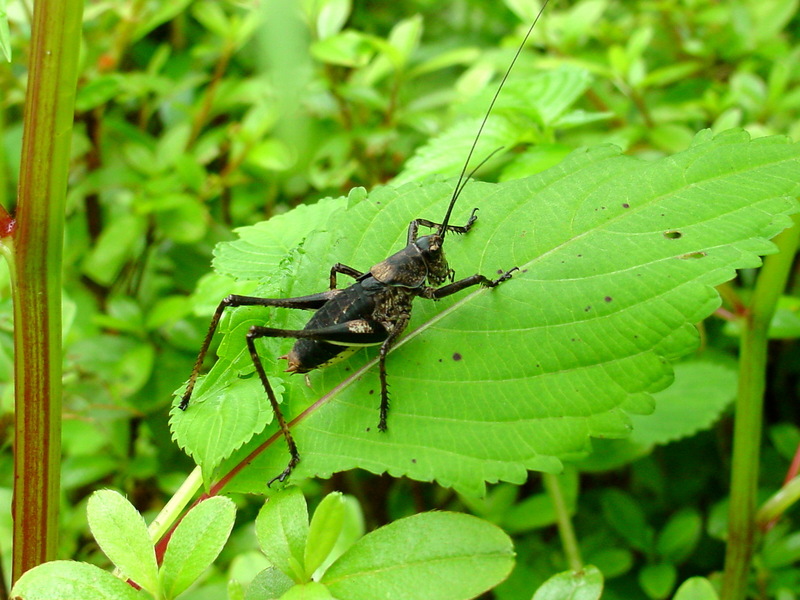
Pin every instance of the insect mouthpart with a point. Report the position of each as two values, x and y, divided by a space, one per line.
430 246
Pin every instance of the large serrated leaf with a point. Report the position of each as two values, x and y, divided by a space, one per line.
618 258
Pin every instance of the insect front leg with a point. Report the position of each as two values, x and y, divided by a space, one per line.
312 302
344 270
414 226
457 286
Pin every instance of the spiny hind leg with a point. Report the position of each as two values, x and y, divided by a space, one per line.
397 329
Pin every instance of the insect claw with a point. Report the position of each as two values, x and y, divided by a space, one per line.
286 472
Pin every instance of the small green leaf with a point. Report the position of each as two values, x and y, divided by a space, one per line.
5 35
308 591
782 552
68 580
658 581
679 537
348 49
696 588
430 556
269 584
625 515
326 526
212 16
537 510
196 543
332 16
282 531
570 585
121 533
97 91
114 248
613 562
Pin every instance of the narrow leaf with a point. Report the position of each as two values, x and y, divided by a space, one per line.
196 543
326 526
282 531
122 535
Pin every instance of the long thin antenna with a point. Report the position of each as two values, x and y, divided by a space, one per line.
462 181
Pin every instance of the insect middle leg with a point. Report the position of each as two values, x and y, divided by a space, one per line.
312 302
344 270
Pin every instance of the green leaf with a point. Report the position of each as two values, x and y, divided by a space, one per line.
196 543
114 248
618 258
227 420
332 16
262 248
212 16
658 581
782 552
537 511
122 535
97 91
625 515
67 580
696 588
701 392
308 591
430 556
544 98
282 531
5 35
348 49
679 537
326 526
269 584
570 585
164 12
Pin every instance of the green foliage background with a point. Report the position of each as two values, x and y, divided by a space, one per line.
195 118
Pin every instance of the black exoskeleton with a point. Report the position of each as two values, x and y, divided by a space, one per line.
372 311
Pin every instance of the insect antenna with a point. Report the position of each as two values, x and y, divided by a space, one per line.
463 178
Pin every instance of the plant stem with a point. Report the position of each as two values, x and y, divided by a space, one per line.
170 514
38 239
780 502
749 407
569 542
